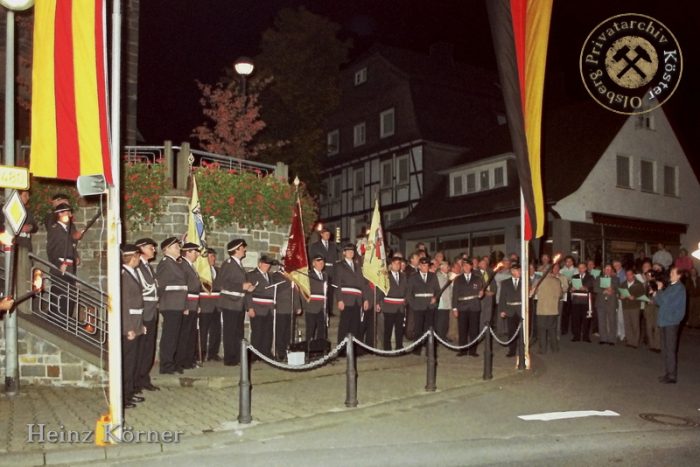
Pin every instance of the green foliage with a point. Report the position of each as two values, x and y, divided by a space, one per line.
248 198
43 189
144 187
303 55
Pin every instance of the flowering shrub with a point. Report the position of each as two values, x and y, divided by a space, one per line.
144 186
248 198
43 189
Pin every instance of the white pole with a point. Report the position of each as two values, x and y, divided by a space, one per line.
525 281
11 356
114 236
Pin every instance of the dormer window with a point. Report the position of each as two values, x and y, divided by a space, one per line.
361 76
479 178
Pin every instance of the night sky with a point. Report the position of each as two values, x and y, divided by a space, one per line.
182 41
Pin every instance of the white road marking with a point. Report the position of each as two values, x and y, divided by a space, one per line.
547 416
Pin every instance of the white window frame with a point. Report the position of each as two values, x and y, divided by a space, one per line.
629 172
675 180
475 172
388 166
383 131
335 182
333 134
397 170
360 76
359 134
358 189
654 183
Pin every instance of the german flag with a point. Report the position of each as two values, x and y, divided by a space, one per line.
70 135
520 32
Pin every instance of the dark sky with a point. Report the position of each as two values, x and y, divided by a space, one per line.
183 40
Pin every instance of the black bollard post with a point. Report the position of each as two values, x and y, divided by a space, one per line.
350 374
430 383
488 355
521 348
244 416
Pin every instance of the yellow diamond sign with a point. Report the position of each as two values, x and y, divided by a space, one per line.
15 213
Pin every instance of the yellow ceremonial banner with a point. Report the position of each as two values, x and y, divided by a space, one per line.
196 234
374 264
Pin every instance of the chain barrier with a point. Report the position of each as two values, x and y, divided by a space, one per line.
392 353
465 346
509 341
307 366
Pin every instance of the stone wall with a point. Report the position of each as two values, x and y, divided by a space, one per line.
93 256
42 362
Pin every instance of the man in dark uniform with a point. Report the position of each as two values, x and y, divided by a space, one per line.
393 304
24 247
352 294
288 306
61 251
423 290
261 306
315 309
172 302
232 283
132 323
210 316
329 251
149 290
581 304
185 356
510 305
467 290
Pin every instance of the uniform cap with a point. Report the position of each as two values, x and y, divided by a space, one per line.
189 246
169 242
515 265
141 242
235 244
267 260
424 260
318 258
62 208
211 251
349 246
129 249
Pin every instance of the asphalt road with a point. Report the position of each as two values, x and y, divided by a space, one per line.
480 425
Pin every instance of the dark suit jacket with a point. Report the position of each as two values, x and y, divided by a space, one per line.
194 285
318 288
637 290
132 304
172 285
577 296
208 299
229 283
60 247
149 290
330 255
511 294
346 278
462 290
397 291
288 297
418 291
257 300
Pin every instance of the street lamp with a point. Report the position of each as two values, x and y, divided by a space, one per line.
11 357
244 67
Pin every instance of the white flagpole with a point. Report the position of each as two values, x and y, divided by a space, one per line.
525 283
114 237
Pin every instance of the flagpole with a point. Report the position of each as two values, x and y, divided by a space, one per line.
374 302
114 237
525 285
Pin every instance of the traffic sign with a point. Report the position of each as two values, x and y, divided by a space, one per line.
15 213
14 177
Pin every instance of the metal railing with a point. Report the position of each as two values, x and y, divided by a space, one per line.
70 304
154 154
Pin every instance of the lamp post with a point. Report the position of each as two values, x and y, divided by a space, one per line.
11 358
244 67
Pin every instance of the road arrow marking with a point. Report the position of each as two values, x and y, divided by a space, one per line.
570 414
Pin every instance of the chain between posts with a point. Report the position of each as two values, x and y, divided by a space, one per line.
307 366
509 341
465 346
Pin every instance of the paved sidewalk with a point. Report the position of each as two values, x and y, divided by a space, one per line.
205 400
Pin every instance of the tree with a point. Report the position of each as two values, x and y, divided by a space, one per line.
303 55
234 120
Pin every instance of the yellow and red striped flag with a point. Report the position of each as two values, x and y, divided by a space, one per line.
70 134
520 31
